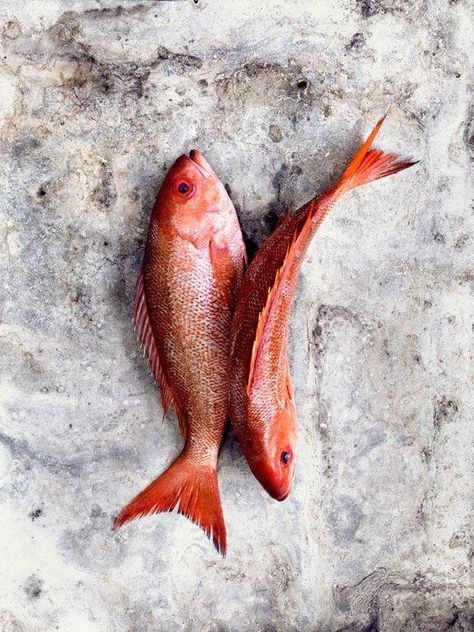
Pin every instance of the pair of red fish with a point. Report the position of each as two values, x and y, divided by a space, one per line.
216 335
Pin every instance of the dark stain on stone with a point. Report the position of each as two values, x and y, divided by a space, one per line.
327 111
283 179
97 512
36 513
33 587
275 133
105 192
469 132
439 238
119 11
181 60
368 8
272 218
80 297
356 43
91 76
461 241
444 410
249 82
12 30
41 192
25 146
250 244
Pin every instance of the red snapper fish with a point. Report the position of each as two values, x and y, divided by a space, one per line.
193 265
262 408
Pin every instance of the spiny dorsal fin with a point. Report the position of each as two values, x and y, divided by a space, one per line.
366 166
146 337
271 301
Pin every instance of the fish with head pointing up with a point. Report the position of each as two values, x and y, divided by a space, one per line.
193 265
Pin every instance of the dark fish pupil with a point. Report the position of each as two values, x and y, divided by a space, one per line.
183 187
285 457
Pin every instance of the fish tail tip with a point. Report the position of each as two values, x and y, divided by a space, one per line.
189 488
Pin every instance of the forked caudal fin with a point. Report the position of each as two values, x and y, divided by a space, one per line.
371 164
191 489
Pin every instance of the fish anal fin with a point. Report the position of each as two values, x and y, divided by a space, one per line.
146 337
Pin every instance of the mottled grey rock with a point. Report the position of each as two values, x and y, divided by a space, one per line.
98 97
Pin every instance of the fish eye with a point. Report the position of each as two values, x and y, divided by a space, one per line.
285 457
185 188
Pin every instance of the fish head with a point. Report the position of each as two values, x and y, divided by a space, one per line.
192 199
271 453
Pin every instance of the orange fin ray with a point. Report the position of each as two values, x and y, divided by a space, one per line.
147 339
189 488
371 164
366 166
272 300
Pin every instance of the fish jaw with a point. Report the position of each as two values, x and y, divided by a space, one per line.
270 480
202 164
271 447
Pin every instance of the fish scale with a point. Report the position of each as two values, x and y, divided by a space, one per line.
262 409
193 265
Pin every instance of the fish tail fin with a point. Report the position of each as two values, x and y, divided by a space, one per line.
371 164
191 489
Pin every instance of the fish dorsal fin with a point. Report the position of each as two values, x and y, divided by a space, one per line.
271 304
146 337
262 321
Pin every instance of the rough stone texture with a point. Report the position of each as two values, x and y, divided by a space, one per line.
97 99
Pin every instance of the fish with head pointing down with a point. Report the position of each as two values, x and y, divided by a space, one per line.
262 409
193 265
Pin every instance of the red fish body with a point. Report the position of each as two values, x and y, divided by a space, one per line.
262 409
193 265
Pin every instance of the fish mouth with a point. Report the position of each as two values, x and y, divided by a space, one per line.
283 497
201 163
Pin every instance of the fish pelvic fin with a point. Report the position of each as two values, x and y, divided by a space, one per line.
190 488
147 338
371 164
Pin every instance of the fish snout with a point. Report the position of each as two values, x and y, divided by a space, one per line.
201 163
277 483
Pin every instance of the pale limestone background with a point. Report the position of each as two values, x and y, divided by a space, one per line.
97 98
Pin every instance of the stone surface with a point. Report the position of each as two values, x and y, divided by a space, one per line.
97 99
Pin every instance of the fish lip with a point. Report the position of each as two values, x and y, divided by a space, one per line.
283 497
201 163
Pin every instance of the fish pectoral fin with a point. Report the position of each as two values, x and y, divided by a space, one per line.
223 267
189 487
146 337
